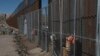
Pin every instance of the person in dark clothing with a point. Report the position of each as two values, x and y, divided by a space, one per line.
78 48
73 46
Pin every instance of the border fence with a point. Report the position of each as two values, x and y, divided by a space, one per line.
52 24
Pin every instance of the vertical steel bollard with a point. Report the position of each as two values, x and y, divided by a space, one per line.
98 30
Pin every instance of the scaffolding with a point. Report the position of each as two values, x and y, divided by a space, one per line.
98 30
50 26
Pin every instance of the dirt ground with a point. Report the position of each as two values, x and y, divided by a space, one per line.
7 46
33 50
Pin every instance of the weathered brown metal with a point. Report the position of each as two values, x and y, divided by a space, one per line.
12 20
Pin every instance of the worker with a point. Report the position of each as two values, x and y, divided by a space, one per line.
71 43
70 40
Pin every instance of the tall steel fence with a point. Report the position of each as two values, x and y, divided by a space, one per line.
49 26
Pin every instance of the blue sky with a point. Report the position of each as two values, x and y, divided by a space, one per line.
44 3
8 6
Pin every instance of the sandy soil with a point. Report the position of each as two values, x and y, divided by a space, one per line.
7 46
